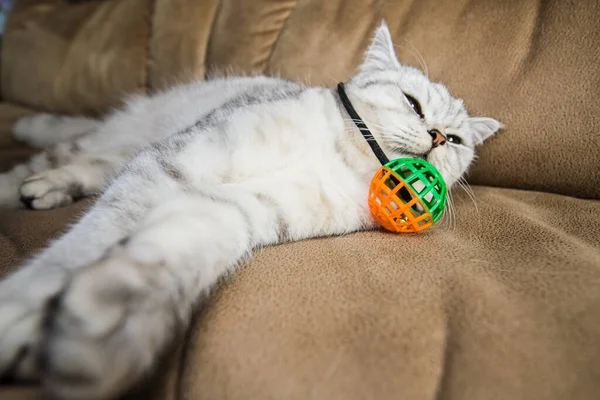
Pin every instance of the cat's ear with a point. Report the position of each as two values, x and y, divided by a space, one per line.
484 127
381 55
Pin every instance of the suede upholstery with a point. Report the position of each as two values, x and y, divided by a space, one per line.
504 303
62 57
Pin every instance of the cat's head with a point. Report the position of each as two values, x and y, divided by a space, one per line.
411 116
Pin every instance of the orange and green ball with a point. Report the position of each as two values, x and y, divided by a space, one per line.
407 195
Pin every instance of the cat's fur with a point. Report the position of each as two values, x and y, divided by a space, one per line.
225 166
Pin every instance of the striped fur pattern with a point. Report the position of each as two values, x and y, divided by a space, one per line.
190 181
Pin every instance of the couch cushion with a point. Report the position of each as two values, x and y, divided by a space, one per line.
11 152
504 303
179 40
79 57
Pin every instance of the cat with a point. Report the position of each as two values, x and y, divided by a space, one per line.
190 181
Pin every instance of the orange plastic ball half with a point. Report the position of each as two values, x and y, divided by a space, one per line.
395 205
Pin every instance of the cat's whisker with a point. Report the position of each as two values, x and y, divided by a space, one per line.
367 139
467 188
369 124
453 208
462 182
448 216
452 213
416 55
422 58
385 138
391 133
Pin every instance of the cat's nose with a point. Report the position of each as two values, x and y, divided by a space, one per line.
437 138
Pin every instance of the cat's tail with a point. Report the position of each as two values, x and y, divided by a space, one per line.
44 130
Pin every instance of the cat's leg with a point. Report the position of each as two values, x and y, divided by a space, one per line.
11 181
79 168
26 293
58 187
44 130
41 131
118 315
56 177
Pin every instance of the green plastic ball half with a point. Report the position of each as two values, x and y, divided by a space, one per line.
424 180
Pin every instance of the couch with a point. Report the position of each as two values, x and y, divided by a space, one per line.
502 301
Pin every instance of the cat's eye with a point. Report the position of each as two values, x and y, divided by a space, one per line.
454 139
415 105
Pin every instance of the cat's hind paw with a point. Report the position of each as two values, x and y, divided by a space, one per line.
47 190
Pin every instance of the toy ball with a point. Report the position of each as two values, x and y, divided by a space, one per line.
407 195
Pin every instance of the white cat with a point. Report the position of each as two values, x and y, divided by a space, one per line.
199 177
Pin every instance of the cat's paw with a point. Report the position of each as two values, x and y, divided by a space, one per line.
106 332
26 129
44 130
20 334
37 130
46 190
24 298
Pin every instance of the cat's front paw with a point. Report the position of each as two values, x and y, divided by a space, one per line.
107 331
46 190
24 299
27 129
20 334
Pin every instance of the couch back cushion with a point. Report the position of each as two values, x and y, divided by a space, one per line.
75 57
532 65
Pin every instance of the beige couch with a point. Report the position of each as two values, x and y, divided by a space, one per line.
502 304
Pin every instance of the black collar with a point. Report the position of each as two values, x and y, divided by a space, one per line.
360 124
